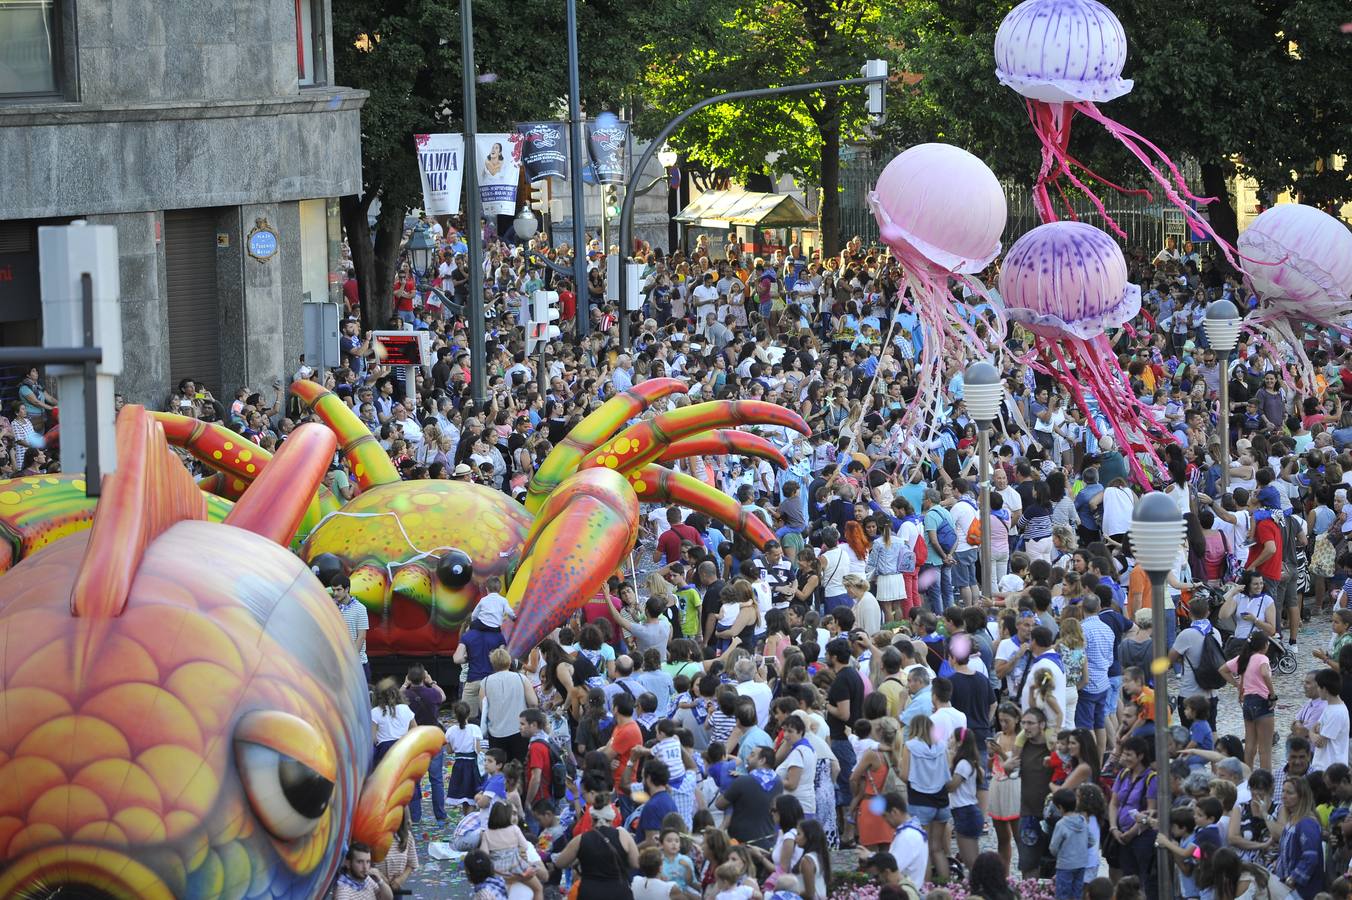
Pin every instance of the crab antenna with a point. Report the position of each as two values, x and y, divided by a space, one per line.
643 442
724 442
563 460
655 484
274 505
361 451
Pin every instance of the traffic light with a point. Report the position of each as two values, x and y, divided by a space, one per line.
544 312
539 195
611 198
877 92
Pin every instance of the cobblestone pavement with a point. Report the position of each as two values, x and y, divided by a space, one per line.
436 880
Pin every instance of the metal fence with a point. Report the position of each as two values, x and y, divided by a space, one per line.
1146 221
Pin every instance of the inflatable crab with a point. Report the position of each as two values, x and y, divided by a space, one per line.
418 552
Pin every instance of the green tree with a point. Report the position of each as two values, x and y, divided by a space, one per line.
768 43
406 53
1250 86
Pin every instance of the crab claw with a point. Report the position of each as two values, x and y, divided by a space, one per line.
584 529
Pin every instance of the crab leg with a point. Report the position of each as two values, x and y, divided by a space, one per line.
644 442
724 442
235 457
564 459
583 530
272 507
655 484
359 447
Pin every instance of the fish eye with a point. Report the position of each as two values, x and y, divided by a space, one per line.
455 569
288 796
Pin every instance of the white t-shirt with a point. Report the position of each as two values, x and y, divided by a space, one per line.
946 721
645 888
834 565
1005 652
392 727
963 515
1117 507
965 795
911 851
1333 724
802 757
491 610
760 694
1058 688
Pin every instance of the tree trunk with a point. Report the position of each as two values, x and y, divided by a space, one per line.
353 210
1222 213
828 212
373 260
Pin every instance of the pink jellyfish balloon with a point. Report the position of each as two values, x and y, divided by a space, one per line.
1299 261
1064 56
942 212
1067 283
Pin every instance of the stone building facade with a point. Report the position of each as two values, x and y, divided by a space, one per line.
189 127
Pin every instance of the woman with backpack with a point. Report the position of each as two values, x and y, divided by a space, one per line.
885 563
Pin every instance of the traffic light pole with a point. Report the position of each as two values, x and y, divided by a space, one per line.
582 320
627 210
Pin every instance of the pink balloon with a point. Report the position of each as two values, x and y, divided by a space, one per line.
941 202
1298 257
1067 279
1059 51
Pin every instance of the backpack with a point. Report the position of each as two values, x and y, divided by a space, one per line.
892 783
974 532
558 774
945 535
905 559
1207 672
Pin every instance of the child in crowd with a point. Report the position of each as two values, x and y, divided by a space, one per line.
1196 709
1182 844
677 866
463 740
1070 846
506 845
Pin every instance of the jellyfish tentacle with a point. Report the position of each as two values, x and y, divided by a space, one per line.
595 429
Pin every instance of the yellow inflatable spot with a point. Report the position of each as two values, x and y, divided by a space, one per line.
359 471
216 454
640 486
611 462
250 468
9 498
622 445
245 455
239 484
229 445
78 484
426 500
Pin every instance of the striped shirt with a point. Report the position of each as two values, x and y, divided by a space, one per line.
354 616
1098 653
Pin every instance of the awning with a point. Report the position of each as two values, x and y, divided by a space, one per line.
720 209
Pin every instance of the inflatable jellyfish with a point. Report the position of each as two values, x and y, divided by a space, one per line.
1299 261
942 212
1063 57
1067 283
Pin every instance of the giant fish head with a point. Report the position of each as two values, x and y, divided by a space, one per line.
184 714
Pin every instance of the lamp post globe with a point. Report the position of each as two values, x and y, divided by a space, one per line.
1156 533
525 225
983 389
1222 324
420 247
667 157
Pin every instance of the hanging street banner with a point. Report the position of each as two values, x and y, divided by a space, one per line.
499 160
607 139
543 149
439 167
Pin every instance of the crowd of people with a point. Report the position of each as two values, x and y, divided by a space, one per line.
722 720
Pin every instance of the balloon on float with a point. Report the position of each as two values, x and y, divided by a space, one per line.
941 210
1299 261
1063 57
1067 283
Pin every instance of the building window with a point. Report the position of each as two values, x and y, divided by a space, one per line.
31 50
310 65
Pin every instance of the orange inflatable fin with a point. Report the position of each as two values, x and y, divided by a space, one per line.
275 503
148 493
390 787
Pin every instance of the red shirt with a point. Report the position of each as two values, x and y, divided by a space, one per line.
567 306
1265 530
623 741
404 304
351 294
670 541
537 759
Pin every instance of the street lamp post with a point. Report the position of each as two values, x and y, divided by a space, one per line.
582 316
474 229
983 389
420 246
877 70
667 158
1222 324
525 227
1156 541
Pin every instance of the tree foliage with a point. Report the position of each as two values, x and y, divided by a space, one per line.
406 53
1254 86
767 43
